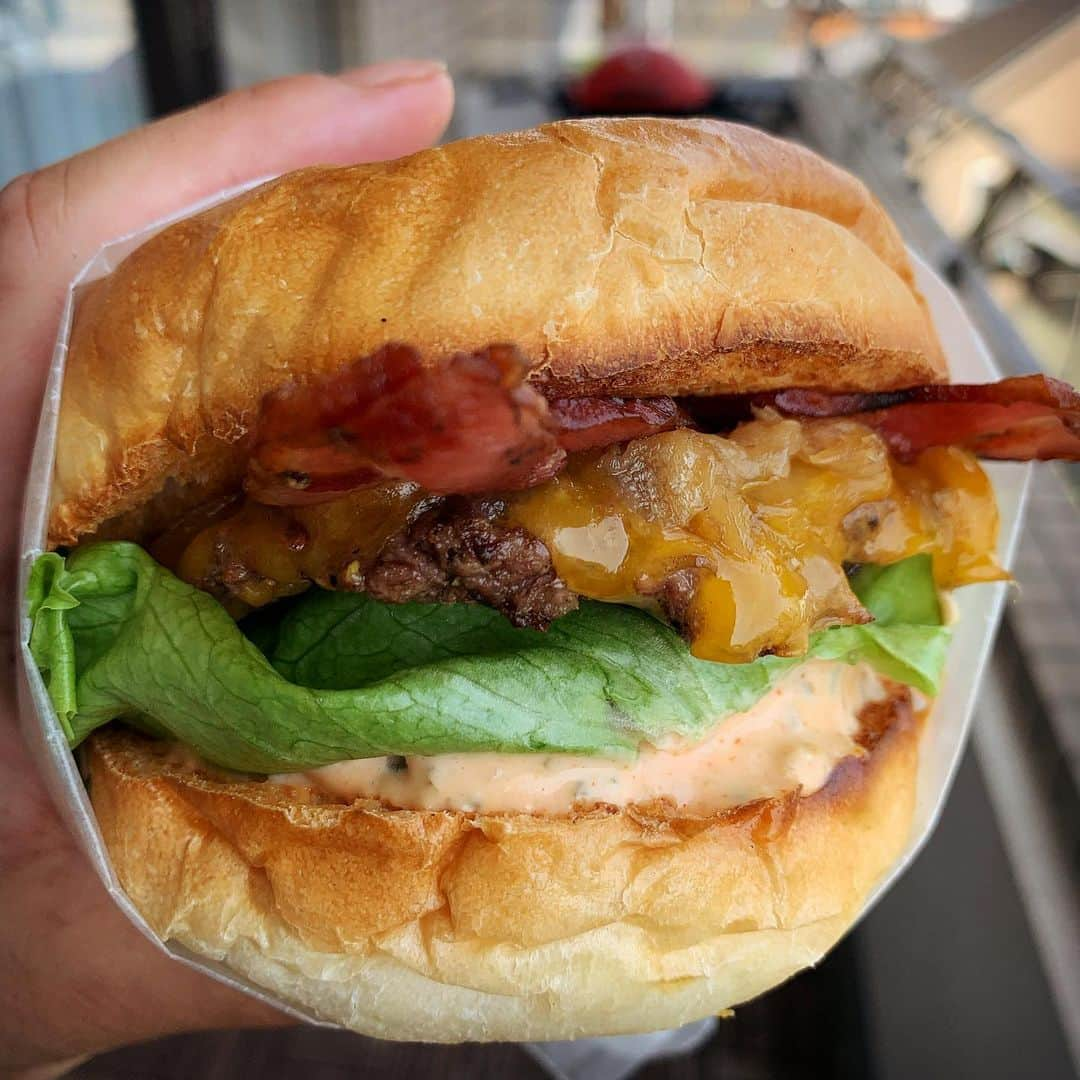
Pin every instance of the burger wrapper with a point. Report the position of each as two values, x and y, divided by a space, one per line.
942 744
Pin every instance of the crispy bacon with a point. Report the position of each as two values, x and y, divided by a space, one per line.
468 424
1030 418
587 423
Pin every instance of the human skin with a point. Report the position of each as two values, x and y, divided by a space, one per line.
75 976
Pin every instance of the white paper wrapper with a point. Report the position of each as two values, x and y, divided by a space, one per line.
943 742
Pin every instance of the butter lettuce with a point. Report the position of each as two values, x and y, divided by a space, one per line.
333 676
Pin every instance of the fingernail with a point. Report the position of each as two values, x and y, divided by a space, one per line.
394 73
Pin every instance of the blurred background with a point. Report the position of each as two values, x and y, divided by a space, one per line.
964 118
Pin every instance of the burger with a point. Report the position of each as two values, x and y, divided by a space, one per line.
497 594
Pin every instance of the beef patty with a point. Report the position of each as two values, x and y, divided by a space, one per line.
459 552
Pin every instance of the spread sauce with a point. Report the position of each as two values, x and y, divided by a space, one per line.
789 741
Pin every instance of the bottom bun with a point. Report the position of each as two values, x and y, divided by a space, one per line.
444 926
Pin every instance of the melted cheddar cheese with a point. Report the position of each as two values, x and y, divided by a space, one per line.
765 520
755 527
257 553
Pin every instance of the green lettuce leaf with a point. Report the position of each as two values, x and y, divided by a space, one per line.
51 643
334 676
901 593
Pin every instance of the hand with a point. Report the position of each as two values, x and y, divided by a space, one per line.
75 976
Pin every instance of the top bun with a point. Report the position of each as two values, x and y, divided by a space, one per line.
638 257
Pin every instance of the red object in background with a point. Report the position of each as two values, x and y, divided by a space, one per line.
640 79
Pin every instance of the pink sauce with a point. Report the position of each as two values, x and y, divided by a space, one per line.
790 740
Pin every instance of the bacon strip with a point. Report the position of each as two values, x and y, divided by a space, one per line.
472 424
1030 418
469 424
587 423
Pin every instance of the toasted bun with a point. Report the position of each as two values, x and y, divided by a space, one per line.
444 926
642 257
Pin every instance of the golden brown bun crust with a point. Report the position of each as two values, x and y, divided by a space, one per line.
444 926
642 257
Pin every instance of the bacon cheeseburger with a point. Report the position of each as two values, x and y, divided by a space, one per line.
516 569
